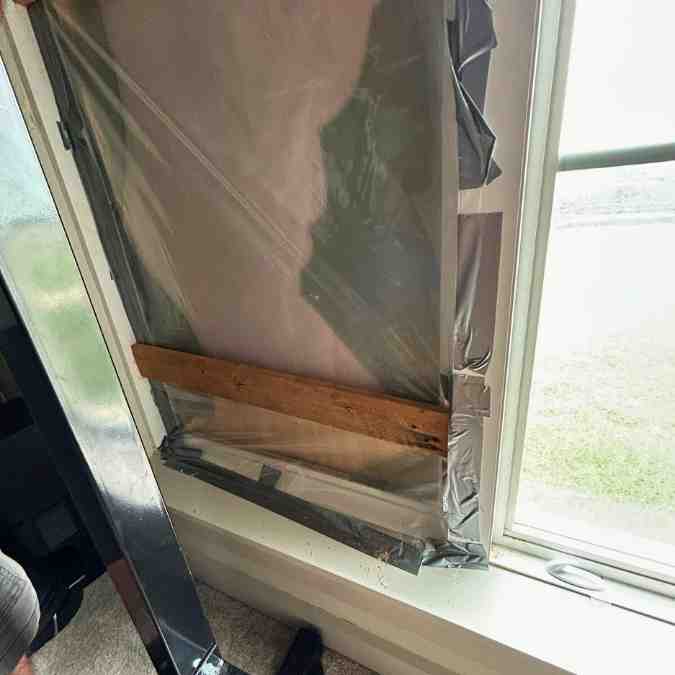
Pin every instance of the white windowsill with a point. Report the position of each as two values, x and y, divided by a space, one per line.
531 559
456 620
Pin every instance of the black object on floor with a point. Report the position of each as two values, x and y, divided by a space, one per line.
56 615
58 580
304 656
39 527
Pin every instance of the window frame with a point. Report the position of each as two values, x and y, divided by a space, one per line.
642 585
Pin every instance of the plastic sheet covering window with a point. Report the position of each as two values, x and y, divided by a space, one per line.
284 176
471 36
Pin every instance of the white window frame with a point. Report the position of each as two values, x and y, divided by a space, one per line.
631 582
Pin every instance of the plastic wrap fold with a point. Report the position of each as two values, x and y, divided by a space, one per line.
283 183
478 255
472 37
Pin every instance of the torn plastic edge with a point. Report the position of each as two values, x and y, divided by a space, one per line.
353 532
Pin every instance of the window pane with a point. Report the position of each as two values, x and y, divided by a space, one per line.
619 91
37 263
599 461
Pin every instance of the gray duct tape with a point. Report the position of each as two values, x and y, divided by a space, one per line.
470 395
463 485
355 533
479 238
463 548
478 250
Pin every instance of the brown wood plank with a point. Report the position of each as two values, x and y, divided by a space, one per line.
397 420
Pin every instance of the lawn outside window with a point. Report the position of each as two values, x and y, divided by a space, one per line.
587 456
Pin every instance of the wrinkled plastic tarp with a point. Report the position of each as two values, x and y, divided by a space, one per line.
285 185
279 172
472 37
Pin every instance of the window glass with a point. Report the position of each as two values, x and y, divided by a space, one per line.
599 458
620 85
37 263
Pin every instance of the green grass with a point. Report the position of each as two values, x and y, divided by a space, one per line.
603 424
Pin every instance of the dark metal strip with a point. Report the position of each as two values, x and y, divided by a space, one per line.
347 530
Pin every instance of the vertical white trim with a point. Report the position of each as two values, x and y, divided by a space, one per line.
555 38
508 108
23 61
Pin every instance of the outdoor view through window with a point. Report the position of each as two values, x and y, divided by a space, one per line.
599 456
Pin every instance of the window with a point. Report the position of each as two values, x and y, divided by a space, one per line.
588 437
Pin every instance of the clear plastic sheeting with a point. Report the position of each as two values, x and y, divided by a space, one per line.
379 464
283 178
316 498
279 171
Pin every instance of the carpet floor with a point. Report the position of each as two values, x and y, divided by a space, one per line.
102 640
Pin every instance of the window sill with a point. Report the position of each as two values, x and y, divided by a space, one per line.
442 621
629 591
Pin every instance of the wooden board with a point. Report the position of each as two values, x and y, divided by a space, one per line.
388 418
